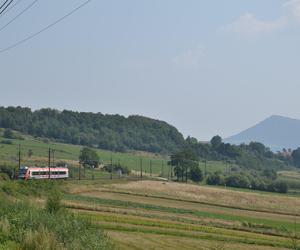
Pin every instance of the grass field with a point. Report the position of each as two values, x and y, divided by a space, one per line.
164 215
70 153
156 214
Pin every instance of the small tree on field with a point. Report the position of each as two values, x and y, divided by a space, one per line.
89 157
183 161
30 153
196 174
8 133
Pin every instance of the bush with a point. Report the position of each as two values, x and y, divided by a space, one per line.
23 226
215 179
115 168
9 134
196 174
41 239
4 177
53 204
9 171
8 142
40 188
239 181
248 180
10 187
280 187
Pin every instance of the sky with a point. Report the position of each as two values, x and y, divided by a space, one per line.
205 66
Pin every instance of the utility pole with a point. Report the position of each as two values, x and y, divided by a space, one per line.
205 172
111 166
141 166
151 168
53 157
162 169
79 176
49 161
186 174
19 161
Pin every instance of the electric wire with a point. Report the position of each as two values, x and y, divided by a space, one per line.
11 7
4 4
5 7
45 28
17 16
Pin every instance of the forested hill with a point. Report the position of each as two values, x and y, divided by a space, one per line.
112 132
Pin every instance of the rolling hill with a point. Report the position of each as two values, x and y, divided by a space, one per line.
111 132
276 132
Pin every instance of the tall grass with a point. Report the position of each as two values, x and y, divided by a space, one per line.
27 227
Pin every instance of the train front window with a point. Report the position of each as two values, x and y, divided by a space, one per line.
22 171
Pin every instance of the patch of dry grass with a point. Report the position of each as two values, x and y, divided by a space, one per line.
213 195
141 241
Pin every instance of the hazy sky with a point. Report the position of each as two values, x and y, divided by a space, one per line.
206 66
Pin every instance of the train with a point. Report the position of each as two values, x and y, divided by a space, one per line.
39 173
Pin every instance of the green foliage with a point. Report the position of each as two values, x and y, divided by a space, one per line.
270 174
216 142
196 174
89 157
249 180
280 187
53 203
254 156
30 153
8 142
37 188
183 162
112 132
215 179
8 133
28 227
296 157
8 170
237 180
41 239
117 167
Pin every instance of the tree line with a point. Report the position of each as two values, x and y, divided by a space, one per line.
111 132
255 164
253 156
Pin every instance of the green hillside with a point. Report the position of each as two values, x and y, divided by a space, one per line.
112 132
70 153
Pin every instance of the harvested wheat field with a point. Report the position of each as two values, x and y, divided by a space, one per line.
213 195
162 215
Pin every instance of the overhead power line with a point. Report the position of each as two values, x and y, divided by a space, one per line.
45 28
4 7
17 16
11 7
3 4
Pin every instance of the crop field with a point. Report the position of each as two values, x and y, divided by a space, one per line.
165 215
157 214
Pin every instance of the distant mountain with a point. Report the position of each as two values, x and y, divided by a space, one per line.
276 132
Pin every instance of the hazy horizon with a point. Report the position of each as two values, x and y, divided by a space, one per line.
206 67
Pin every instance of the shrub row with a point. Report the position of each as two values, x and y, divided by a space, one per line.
246 180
